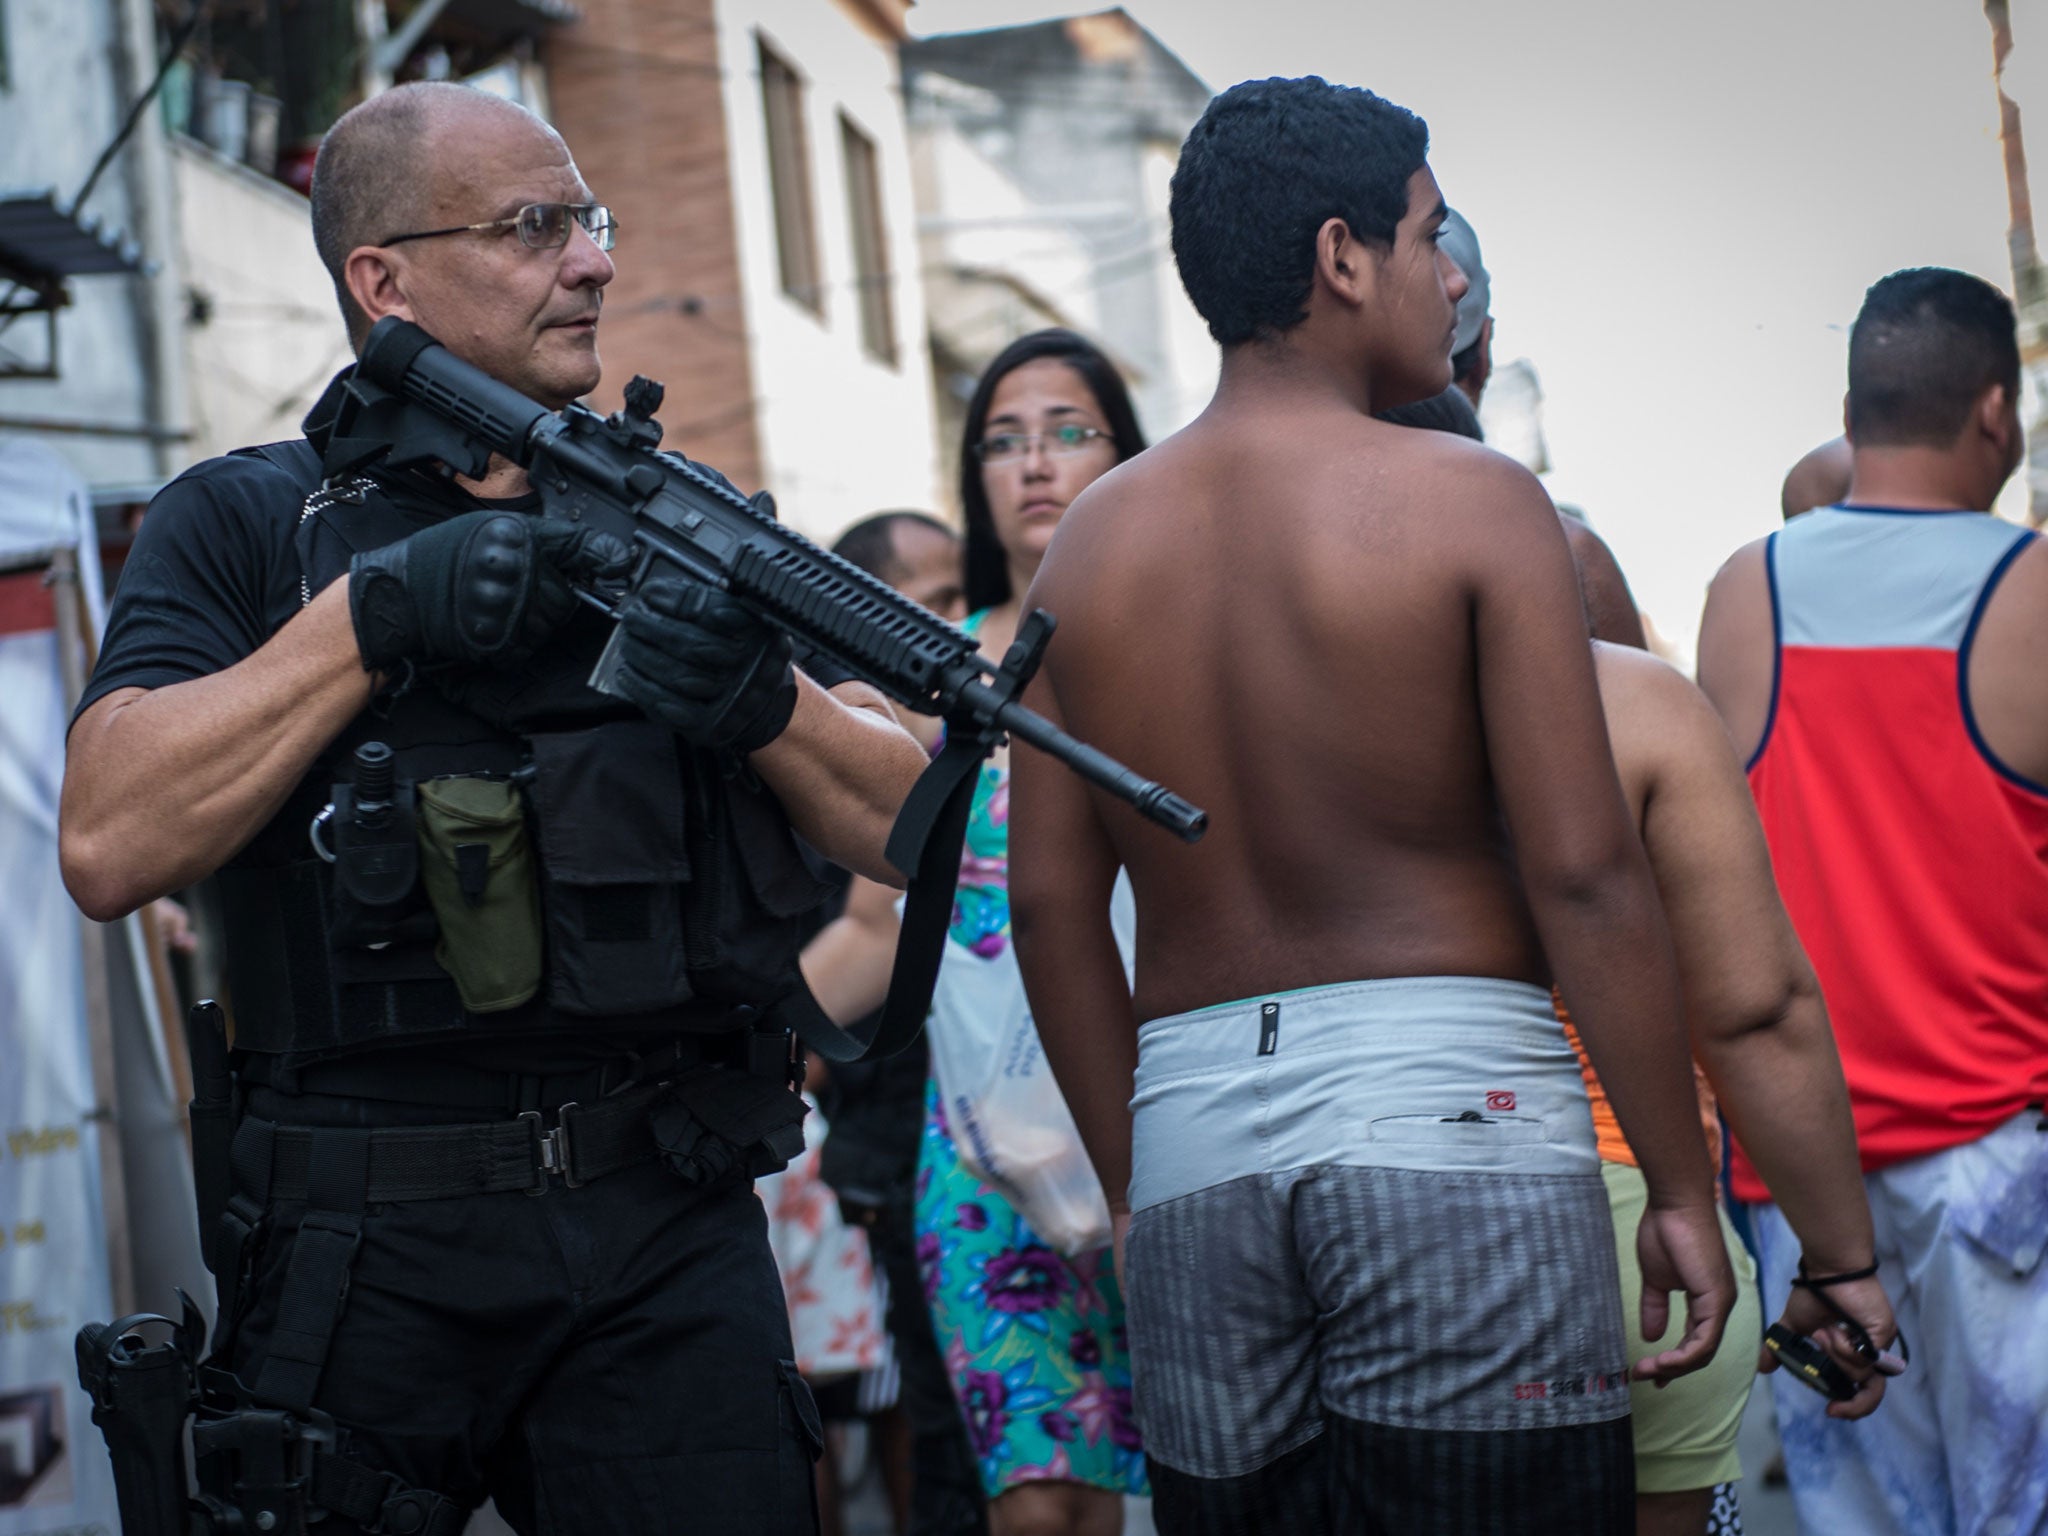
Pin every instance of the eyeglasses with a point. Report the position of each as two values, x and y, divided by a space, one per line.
1061 442
540 226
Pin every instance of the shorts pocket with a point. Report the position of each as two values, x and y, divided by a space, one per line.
609 802
1468 1132
1999 1195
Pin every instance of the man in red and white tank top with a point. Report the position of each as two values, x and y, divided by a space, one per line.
1881 664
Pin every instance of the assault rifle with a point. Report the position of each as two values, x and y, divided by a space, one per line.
413 401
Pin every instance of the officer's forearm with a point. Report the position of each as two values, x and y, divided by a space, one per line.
842 770
849 962
163 785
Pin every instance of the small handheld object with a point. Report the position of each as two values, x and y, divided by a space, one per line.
1809 1364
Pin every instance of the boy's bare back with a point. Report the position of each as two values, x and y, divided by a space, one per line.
1279 612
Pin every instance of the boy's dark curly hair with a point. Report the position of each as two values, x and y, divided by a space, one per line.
1268 164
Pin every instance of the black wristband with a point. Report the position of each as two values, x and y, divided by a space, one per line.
773 719
1822 1282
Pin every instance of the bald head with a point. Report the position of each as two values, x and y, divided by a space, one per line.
384 167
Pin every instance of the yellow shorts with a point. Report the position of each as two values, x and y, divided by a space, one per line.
1685 1433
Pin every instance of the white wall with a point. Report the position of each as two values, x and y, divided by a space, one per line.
1189 354
841 434
977 219
61 109
273 336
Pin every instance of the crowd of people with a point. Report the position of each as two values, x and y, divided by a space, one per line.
1402 1094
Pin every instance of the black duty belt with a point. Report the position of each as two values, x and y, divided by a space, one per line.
438 1162
390 1078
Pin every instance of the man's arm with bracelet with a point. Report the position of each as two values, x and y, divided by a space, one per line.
1756 1018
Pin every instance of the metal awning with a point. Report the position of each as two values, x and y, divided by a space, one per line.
41 249
40 245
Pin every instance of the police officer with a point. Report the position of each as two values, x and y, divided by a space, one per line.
509 958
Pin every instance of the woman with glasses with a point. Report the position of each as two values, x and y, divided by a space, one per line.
1033 1341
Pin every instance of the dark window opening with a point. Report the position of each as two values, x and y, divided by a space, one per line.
789 177
872 278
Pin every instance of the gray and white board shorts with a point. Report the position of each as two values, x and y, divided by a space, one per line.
1371 1253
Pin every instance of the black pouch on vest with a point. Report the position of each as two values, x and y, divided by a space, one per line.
609 802
718 1119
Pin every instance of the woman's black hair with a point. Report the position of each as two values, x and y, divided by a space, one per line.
988 569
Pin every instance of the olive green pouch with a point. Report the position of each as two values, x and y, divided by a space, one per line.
478 867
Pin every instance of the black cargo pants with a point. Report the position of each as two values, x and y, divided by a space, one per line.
614 1357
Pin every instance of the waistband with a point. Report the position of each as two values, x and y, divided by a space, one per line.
1434 1073
439 1162
401 1077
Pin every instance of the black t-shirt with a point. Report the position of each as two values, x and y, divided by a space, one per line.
211 578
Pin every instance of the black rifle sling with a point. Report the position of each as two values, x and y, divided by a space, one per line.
925 843
934 871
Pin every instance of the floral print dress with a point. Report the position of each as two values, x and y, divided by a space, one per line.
1034 1342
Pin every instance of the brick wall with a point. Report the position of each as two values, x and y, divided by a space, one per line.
635 88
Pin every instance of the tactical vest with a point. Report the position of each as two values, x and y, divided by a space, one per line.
569 861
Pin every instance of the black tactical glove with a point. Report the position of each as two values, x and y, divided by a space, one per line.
485 587
705 665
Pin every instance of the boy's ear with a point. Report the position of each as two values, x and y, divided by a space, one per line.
1343 264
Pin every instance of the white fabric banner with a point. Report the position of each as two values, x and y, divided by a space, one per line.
55 1479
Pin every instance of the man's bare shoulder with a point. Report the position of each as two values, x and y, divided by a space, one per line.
1741 572
1638 685
1473 482
1658 720
2016 615
1738 645
2025 584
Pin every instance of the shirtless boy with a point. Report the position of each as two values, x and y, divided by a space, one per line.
1370 1274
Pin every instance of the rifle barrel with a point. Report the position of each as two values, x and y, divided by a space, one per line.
1155 802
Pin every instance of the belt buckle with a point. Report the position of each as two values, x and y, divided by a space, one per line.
552 1155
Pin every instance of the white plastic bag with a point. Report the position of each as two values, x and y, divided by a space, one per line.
1008 1119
